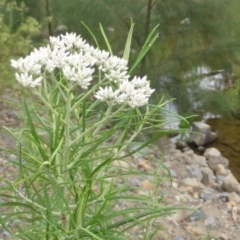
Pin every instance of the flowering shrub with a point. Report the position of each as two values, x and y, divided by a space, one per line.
68 186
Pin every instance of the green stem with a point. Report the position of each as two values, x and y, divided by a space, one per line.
99 125
35 204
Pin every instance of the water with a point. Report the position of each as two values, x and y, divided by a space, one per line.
228 130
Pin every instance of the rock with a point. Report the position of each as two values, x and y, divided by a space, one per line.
143 166
190 182
189 153
230 184
221 170
207 194
210 222
199 214
223 196
146 185
121 164
217 186
173 173
202 135
224 161
179 170
188 160
208 177
219 178
181 145
200 149
178 156
223 236
233 197
200 160
212 152
213 157
195 172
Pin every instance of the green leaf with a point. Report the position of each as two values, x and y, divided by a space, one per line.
147 45
106 40
34 133
91 33
127 48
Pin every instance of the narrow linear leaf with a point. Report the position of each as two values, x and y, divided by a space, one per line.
127 48
91 33
106 39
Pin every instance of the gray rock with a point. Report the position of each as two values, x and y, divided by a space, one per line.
203 134
173 173
208 178
230 184
210 222
207 194
219 178
200 160
180 170
199 214
195 172
223 196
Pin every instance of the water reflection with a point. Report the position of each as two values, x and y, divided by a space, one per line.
228 130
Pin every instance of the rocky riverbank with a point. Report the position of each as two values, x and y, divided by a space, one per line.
206 184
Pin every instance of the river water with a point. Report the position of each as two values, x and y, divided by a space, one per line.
228 130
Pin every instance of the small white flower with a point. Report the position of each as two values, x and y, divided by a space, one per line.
27 80
107 94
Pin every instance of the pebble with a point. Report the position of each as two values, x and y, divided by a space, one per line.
197 215
233 197
210 222
143 166
146 185
223 196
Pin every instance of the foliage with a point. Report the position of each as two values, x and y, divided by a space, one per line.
16 38
68 186
191 34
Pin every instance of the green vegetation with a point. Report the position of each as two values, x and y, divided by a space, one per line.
16 39
193 35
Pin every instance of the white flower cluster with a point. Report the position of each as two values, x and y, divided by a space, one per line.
77 61
135 93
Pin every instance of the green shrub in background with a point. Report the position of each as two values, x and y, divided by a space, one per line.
68 186
16 38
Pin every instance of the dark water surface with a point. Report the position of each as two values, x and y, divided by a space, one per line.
228 141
